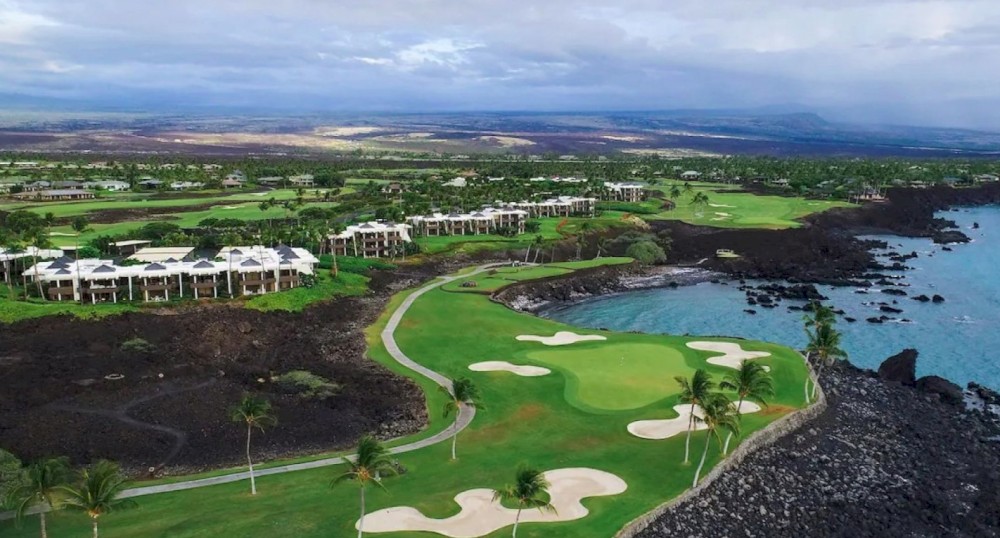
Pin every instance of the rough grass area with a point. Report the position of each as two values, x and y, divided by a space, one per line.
729 208
575 417
326 287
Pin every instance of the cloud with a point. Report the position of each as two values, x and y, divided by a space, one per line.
893 60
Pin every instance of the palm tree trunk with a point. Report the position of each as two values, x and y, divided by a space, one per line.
687 442
94 522
253 482
697 473
517 519
454 437
527 253
739 416
361 521
41 518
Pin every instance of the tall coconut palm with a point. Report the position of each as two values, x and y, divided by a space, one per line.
255 413
370 465
42 484
675 192
528 491
463 393
824 349
602 246
98 492
718 413
538 242
821 315
693 392
750 381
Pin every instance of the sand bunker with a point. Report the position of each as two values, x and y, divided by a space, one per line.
733 354
720 205
561 338
480 515
722 214
504 366
667 428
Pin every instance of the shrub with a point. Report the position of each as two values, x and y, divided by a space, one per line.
307 385
138 345
646 252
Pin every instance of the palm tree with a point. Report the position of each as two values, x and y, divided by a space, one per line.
718 413
42 483
821 315
463 393
255 413
602 246
371 463
750 380
528 491
675 192
824 348
538 242
693 392
98 492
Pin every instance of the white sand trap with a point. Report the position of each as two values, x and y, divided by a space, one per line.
733 354
722 214
229 207
667 428
720 205
504 366
481 516
561 338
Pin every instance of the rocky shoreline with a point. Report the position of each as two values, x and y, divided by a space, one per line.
884 459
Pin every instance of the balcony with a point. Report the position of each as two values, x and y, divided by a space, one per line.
157 287
257 282
204 285
65 290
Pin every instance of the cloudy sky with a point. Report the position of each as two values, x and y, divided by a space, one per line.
903 61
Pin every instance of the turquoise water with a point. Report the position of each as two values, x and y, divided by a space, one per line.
958 339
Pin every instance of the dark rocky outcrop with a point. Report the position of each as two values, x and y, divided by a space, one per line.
900 368
889 309
882 461
894 291
937 299
922 298
948 391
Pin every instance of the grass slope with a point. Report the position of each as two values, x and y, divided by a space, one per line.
734 209
528 420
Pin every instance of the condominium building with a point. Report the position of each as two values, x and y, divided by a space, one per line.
488 220
234 271
623 192
50 195
562 206
370 240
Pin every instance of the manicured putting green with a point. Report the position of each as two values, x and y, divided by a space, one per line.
615 377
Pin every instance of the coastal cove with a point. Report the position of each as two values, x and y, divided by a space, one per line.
956 338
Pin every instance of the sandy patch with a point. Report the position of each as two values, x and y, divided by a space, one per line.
61 234
561 338
733 354
347 131
719 213
480 515
504 366
720 205
505 141
228 207
619 138
667 428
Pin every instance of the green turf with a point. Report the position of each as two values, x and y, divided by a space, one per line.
615 376
294 300
526 420
741 209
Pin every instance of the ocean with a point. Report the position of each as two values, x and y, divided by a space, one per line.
958 339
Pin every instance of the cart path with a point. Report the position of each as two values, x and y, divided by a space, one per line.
464 418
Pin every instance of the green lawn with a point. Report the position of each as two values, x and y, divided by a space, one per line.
574 417
731 209
294 300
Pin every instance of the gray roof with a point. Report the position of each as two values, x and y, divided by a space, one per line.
58 265
104 269
203 264
170 260
236 252
289 255
250 263
154 267
63 272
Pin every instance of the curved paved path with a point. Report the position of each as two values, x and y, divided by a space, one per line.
465 415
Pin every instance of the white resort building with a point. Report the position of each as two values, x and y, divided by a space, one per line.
488 220
623 192
235 271
561 206
370 240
